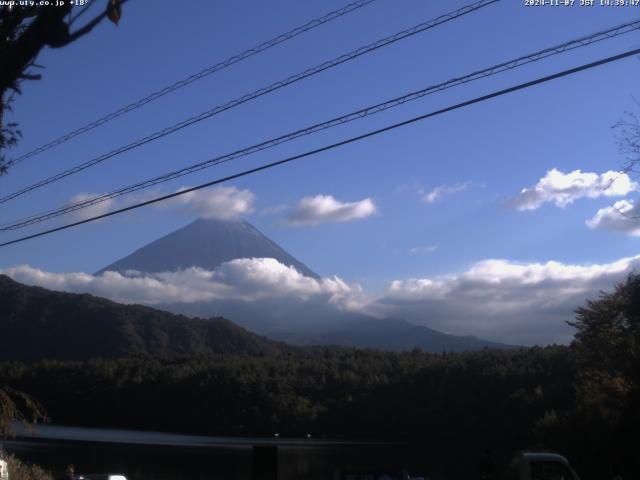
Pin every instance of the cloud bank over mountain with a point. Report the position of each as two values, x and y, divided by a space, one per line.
518 303
246 279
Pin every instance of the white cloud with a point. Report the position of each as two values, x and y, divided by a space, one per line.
245 279
562 189
220 202
502 300
439 192
92 211
423 249
325 208
217 202
622 216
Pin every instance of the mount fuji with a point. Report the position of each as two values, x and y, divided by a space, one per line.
209 243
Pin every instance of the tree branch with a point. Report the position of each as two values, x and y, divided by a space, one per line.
84 10
92 24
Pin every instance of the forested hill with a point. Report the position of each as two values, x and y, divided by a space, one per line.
42 324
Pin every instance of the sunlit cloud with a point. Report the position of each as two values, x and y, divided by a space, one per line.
496 299
502 300
245 279
220 202
623 216
326 209
563 189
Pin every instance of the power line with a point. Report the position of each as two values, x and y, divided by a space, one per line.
195 77
309 153
258 93
362 113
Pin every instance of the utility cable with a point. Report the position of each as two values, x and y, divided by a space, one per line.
193 78
258 93
362 113
309 153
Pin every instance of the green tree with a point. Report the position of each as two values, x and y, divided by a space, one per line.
607 341
607 350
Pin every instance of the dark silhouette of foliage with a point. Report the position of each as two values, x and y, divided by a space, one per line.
445 402
19 470
24 31
41 324
164 372
16 406
606 350
607 341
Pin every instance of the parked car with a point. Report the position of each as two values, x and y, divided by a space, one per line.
100 476
540 466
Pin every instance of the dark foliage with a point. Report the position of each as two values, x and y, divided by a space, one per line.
582 400
605 420
37 323
448 402
25 30
16 406
19 470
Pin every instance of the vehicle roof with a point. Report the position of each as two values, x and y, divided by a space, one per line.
541 456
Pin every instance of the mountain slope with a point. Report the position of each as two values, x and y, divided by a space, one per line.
396 335
42 324
299 323
206 243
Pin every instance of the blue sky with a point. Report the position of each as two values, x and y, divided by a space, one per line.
493 149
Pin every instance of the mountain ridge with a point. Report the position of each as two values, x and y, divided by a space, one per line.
38 323
303 326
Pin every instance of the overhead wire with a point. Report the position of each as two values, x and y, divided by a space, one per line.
362 113
353 6
257 93
332 146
